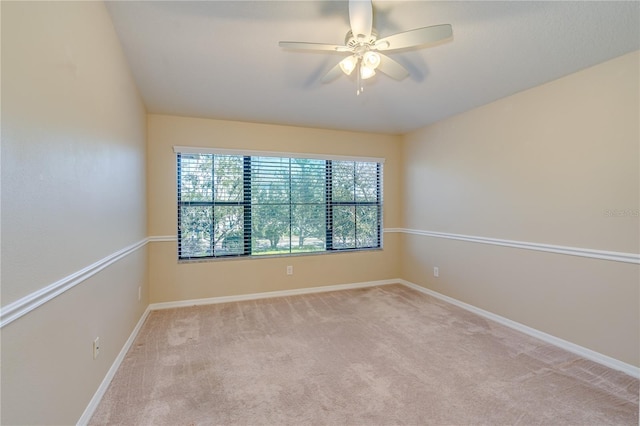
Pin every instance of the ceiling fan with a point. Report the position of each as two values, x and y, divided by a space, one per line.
364 47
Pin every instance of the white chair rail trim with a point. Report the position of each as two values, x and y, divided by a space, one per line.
549 248
23 306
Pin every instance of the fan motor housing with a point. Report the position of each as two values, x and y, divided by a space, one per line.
352 42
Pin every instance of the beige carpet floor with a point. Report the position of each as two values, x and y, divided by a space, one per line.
385 355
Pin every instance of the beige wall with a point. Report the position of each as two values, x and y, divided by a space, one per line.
73 192
171 281
542 166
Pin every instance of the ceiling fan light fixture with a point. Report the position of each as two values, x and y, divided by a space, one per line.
348 64
366 72
371 60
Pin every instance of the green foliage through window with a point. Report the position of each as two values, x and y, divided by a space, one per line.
235 205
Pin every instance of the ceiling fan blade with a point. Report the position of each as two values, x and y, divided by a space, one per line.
332 74
392 68
361 18
300 45
417 37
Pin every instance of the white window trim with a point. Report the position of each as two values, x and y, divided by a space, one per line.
226 151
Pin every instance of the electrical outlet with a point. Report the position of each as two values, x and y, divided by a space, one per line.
139 293
96 348
289 270
436 271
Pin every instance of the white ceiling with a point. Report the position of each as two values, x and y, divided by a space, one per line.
220 59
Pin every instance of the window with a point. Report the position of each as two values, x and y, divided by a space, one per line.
265 205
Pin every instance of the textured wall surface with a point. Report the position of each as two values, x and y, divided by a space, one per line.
73 193
171 281
556 165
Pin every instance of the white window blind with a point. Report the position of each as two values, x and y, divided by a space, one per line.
242 205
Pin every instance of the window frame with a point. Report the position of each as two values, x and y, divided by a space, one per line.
355 203
246 203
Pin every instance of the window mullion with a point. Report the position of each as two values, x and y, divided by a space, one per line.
212 228
246 182
379 203
355 208
329 203
179 176
290 209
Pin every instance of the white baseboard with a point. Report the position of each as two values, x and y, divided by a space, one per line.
563 344
556 341
269 294
97 397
